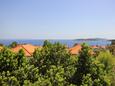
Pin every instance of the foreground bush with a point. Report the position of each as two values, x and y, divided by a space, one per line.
108 60
53 65
90 72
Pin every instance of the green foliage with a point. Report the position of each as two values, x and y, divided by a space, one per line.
57 55
83 65
90 72
47 43
108 60
111 48
20 57
56 75
9 81
87 80
51 54
26 73
7 60
13 44
53 65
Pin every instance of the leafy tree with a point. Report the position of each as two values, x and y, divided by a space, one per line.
83 64
53 54
13 44
7 60
46 43
53 65
20 57
111 48
9 81
90 72
56 75
28 73
108 60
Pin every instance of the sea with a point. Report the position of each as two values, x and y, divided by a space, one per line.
68 42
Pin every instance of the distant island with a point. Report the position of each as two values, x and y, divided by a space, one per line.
92 39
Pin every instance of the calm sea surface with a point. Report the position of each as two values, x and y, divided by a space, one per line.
69 43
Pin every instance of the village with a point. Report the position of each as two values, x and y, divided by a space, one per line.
29 48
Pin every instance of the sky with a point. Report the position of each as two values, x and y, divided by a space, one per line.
57 19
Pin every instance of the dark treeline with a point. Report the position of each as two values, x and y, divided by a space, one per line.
53 65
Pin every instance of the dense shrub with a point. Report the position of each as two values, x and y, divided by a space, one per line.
13 44
53 65
108 60
7 60
90 72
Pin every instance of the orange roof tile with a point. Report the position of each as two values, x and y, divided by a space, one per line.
94 46
28 49
98 47
75 49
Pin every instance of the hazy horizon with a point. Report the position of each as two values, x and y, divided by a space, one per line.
61 19
54 38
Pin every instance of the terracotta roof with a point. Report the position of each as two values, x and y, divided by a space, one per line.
75 49
98 47
103 47
28 49
94 46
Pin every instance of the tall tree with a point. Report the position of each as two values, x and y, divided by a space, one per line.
90 72
13 44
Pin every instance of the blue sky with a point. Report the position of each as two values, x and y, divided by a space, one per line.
57 19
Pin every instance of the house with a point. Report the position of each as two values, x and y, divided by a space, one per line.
75 50
28 49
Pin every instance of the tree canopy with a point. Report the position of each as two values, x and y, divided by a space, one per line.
53 65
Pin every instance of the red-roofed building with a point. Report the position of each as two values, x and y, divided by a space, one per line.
28 49
75 50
